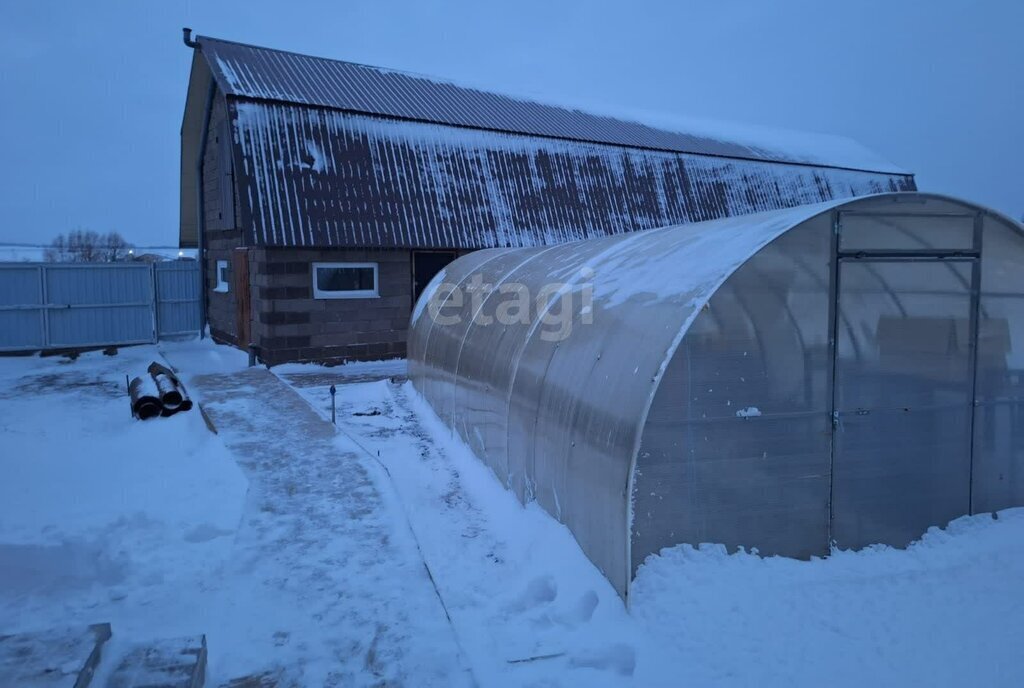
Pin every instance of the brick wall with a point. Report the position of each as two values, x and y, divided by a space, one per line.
288 323
291 325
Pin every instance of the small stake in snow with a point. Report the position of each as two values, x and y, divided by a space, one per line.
333 391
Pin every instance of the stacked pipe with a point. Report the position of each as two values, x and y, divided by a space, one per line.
157 393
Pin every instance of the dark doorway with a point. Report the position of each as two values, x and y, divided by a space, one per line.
426 264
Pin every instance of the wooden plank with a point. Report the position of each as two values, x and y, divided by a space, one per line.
166 663
243 310
54 658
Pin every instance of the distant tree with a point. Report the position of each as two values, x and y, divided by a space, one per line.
87 246
114 247
84 246
57 252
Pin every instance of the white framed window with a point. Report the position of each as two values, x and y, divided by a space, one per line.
345 280
223 276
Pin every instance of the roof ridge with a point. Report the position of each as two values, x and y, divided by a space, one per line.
476 107
365 65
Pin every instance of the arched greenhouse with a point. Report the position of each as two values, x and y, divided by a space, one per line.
846 373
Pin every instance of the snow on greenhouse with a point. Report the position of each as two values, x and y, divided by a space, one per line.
844 374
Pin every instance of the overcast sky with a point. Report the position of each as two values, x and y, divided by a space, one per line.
93 92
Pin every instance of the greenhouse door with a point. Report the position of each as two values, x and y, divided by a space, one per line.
903 395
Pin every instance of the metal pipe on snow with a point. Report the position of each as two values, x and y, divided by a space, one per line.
145 397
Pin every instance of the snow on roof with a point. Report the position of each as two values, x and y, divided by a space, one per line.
266 74
318 177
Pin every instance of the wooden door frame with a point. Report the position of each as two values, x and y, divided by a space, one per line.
243 297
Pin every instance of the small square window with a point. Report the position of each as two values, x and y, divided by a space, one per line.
345 280
223 276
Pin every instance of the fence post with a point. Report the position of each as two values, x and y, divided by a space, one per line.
45 306
155 301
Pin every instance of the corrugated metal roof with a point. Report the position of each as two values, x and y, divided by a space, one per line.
319 177
262 73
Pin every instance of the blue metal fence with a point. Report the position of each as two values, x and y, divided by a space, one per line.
68 305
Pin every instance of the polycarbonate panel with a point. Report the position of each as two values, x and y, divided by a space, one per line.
571 393
431 350
905 232
449 274
999 414
904 331
909 204
736 448
449 339
761 483
481 416
903 397
574 419
545 396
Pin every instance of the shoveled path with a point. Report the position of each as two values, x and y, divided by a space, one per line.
324 550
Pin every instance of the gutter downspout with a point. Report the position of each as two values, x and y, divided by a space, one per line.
201 201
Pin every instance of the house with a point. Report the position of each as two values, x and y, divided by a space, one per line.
324 195
146 257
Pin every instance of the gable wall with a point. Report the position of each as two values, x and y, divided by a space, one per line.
222 234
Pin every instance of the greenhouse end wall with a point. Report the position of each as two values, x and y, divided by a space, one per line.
736 447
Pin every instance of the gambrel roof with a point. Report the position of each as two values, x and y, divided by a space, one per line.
332 153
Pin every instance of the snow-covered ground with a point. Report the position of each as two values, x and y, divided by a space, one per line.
104 518
384 553
947 611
